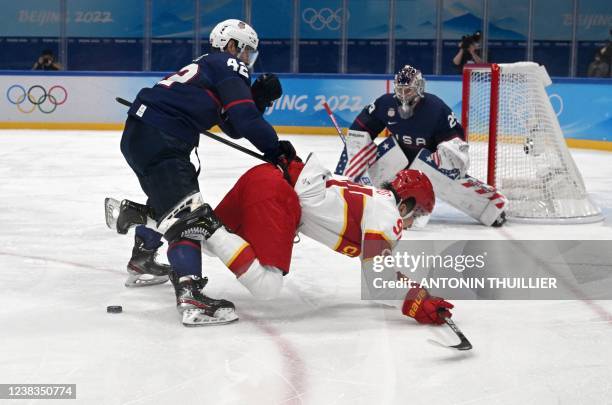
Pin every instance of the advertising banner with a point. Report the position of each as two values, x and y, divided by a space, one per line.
583 108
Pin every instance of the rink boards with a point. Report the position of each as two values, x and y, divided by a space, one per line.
86 100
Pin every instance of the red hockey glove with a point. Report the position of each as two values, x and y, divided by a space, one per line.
421 306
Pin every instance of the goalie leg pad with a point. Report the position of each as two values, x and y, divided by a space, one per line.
469 195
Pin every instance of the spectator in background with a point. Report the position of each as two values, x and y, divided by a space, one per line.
46 61
599 67
469 51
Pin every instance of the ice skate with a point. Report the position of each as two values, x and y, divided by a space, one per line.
196 308
123 215
142 268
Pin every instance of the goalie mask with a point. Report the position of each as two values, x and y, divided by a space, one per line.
416 197
409 89
241 32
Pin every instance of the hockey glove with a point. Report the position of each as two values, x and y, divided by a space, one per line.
287 155
287 151
426 309
265 89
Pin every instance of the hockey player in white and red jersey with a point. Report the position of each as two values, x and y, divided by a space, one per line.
263 212
352 219
344 215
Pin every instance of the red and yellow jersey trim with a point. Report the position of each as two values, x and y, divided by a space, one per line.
349 239
241 260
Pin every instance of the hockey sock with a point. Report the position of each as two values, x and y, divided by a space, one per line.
235 252
152 239
185 257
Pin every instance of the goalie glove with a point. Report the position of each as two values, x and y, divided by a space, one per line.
265 89
453 157
426 309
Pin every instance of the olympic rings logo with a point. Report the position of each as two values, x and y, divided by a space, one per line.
36 97
323 18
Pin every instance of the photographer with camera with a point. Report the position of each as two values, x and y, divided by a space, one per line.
46 61
599 67
469 51
606 54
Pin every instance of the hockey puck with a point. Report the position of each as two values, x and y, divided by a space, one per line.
114 309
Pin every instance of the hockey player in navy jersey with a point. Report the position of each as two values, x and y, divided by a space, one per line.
426 130
162 129
415 118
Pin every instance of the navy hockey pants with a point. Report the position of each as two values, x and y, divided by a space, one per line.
161 162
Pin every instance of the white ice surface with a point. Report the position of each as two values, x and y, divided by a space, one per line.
317 344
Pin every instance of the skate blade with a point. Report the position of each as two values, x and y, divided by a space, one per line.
194 317
144 280
111 211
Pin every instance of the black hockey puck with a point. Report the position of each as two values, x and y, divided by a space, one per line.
114 309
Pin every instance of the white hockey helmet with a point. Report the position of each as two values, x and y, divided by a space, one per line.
244 35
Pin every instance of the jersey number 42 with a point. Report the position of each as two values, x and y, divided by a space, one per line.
182 76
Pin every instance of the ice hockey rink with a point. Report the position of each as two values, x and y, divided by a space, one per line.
319 343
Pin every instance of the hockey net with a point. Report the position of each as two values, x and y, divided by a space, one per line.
516 144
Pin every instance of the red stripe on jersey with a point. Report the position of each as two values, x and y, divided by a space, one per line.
242 260
374 244
349 242
215 99
352 187
236 102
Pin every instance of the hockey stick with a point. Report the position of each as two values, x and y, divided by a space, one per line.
331 116
464 343
213 136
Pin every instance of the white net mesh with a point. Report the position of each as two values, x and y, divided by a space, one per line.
533 167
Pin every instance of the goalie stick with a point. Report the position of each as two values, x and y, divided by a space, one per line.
213 136
331 116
